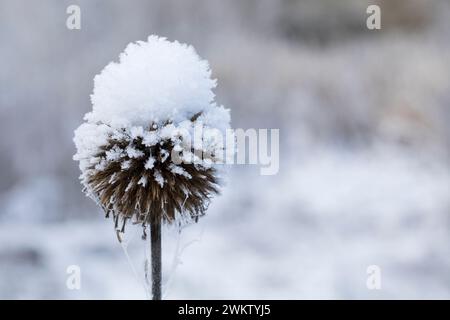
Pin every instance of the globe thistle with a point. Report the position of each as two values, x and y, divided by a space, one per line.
145 110
133 176
137 151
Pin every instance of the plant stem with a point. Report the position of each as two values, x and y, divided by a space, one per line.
155 238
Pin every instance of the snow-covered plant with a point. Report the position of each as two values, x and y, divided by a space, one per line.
136 154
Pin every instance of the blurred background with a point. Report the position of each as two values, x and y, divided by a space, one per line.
364 149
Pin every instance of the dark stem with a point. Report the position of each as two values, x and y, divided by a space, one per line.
155 238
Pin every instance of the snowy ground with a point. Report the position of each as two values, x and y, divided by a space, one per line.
309 232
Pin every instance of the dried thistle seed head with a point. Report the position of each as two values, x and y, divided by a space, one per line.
143 109
133 177
128 187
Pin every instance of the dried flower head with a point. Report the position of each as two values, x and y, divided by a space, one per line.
137 155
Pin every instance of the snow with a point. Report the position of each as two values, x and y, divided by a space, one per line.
143 181
134 153
88 137
149 164
309 232
179 170
154 81
159 178
114 154
125 165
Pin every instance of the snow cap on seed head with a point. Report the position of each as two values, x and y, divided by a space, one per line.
153 82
